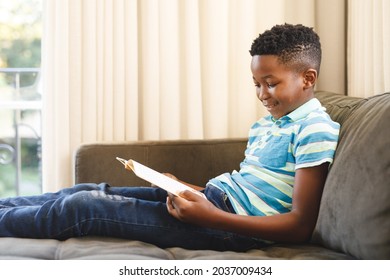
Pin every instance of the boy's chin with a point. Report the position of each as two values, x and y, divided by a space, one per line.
276 115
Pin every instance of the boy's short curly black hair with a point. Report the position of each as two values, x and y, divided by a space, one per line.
297 46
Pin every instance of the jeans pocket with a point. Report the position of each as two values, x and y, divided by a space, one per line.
219 198
228 205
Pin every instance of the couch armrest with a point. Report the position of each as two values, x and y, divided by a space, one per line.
194 161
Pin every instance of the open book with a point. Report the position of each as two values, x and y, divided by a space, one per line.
156 178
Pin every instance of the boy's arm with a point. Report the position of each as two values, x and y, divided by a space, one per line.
295 226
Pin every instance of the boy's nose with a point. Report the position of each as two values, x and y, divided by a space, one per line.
262 93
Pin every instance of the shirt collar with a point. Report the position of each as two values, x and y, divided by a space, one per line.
303 110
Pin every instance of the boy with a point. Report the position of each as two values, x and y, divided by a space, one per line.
274 197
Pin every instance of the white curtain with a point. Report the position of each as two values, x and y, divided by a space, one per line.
368 47
158 69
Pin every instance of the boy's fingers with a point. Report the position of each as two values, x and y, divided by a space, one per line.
192 195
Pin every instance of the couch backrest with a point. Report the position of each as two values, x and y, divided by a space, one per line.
194 161
355 209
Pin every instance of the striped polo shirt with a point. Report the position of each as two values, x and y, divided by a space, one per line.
305 137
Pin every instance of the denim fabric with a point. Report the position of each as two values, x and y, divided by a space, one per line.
125 212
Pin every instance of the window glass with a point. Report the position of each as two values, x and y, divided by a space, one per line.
20 97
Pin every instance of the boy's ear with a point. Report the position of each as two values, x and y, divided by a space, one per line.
310 78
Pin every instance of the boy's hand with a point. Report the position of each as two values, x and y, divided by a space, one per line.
191 208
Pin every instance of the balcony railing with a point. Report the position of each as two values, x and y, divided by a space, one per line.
20 131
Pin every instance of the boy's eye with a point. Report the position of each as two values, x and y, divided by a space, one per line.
271 85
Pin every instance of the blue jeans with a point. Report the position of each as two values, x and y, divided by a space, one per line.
125 212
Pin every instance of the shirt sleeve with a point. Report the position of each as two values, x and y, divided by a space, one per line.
316 143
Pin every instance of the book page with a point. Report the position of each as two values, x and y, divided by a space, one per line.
157 178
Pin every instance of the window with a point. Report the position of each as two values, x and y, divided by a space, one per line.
20 97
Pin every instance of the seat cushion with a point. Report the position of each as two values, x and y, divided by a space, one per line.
106 248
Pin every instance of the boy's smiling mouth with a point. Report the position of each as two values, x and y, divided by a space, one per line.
273 108
270 106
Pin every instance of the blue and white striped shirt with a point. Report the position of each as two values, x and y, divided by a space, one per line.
276 148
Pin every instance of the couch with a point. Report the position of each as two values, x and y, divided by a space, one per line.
354 217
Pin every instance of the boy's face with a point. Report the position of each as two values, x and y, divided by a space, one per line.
280 89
